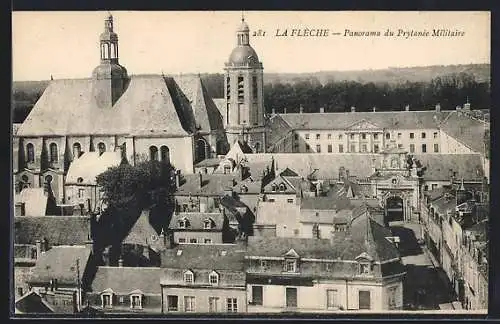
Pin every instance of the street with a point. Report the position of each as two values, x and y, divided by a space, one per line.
424 287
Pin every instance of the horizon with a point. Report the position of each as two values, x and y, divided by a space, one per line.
191 42
283 73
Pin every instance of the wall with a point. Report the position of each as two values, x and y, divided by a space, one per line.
181 150
201 297
216 237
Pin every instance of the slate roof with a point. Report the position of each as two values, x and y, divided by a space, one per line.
290 186
58 230
467 166
365 235
60 263
197 221
437 192
220 103
277 214
124 280
213 184
325 203
89 165
382 119
466 130
33 303
147 107
445 203
204 256
328 164
35 200
142 233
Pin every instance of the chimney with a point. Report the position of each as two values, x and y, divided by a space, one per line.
301 109
177 178
200 180
120 262
353 109
321 110
374 109
407 108
318 189
284 110
438 107
273 111
38 248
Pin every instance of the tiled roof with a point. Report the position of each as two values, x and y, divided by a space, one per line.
124 280
197 221
231 278
468 131
60 263
438 166
325 203
58 230
382 119
35 201
89 165
365 235
204 256
328 164
208 162
147 107
142 233
213 184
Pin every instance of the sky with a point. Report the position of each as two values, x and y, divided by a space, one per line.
66 44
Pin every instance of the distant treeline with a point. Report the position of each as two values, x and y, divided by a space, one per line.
449 91
338 93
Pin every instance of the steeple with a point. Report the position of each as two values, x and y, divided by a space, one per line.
110 78
243 33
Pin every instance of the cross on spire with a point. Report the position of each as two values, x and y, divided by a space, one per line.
242 16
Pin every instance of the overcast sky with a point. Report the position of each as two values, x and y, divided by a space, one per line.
65 44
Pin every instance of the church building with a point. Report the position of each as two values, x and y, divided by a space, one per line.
171 119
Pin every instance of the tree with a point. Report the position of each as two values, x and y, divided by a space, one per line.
127 190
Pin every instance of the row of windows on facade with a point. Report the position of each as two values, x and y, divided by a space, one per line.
364 148
54 152
292 266
365 136
332 297
183 240
164 153
241 88
190 304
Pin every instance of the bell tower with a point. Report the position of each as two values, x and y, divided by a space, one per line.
244 95
109 77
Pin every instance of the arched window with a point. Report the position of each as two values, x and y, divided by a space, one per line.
201 149
77 149
53 152
30 152
213 278
153 153
101 147
165 154
48 179
282 187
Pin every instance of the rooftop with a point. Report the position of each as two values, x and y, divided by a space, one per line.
124 280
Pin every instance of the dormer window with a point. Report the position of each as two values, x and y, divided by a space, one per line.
274 187
183 223
263 265
188 277
107 298
364 268
213 278
208 224
282 187
244 188
290 265
136 299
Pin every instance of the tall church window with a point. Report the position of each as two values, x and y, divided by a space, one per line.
53 152
165 154
77 150
241 88
30 152
254 88
153 153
